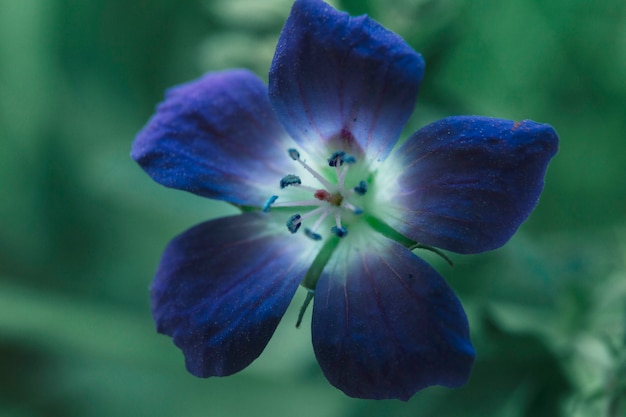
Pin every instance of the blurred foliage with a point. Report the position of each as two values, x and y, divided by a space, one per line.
82 228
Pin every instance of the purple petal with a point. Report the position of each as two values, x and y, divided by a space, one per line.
344 81
385 324
223 286
466 184
217 137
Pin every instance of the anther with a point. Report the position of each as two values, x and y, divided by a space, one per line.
269 202
361 189
354 209
336 159
294 223
290 179
312 235
341 173
294 154
339 231
349 159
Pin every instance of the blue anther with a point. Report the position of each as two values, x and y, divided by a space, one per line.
358 211
294 154
339 231
361 188
336 159
268 203
294 223
311 234
349 159
288 180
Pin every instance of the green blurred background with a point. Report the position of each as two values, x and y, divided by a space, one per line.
82 227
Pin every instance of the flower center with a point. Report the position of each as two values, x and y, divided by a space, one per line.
333 201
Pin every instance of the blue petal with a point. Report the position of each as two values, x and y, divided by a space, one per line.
466 184
385 324
223 286
217 137
342 81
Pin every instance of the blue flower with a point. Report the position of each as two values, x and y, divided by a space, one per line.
327 204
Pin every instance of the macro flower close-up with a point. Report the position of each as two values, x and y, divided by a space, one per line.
332 200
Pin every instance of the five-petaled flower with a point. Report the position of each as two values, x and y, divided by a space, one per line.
328 205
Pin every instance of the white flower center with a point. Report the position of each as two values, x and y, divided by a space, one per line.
336 200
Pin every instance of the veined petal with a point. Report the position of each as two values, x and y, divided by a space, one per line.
342 81
467 183
217 137
223 286
385 324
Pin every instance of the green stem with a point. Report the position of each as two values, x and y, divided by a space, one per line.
313 274
391 233
307 300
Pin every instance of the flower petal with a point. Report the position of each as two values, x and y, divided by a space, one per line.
340 79
467 183
217 137
223 286
385 324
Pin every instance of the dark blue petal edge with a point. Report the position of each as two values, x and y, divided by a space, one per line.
222 287
466 183
217 137
385 324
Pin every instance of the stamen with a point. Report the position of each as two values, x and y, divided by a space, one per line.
338 220
361 189
341 176
294 154
339 231
305 187
288 180
329 200
268 203
336 159
354 209
312 235
294 223
303 203
320 220
314 212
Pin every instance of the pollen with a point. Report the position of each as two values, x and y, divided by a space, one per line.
361 189
339 231
294 223
288 180
294 154
269 202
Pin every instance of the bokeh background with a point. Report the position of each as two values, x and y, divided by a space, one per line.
82 227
